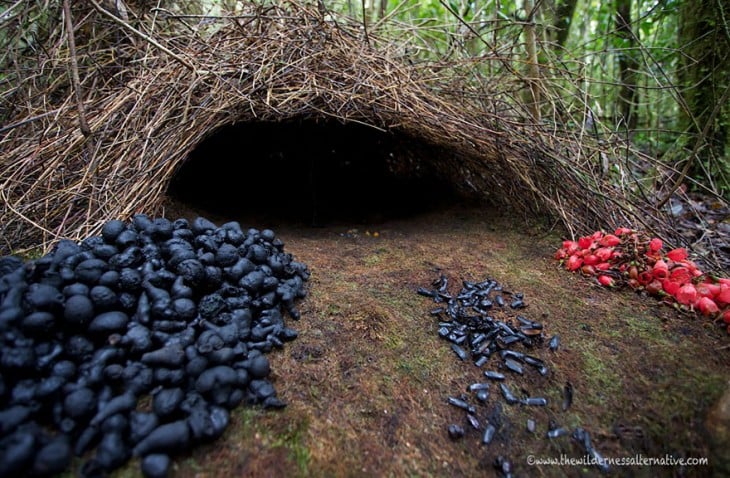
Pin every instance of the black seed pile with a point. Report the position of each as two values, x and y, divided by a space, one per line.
483 321
138 342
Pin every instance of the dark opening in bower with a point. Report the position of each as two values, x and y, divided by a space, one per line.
311 173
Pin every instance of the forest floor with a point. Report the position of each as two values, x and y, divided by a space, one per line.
367 380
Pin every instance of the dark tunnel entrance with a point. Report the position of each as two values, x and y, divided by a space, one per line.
311 173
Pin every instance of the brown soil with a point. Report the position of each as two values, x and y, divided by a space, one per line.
368 378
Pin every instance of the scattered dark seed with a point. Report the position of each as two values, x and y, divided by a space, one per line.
460 352
554 342
473 421
456 431
475 387
567 395
488 435
513 365
536 401
511 399
531 426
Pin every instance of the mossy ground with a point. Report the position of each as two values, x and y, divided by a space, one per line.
367 380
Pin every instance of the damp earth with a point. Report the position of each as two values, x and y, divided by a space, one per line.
368 381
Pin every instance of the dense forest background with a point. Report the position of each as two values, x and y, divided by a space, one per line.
649 77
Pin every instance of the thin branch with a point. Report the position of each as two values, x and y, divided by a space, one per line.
145 37
83 124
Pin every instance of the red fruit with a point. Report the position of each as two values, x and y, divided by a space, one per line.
570 247
687 294
560 254
645 277
678 254
597 235
591 260
724 280
604 253
660 270
605 280
633 272
726 318
707 290
654 287
680 275
585 242
603 266
670 287
622 230
588 270
714 289
655 244
724 296
633 283
691 267
573 263
609 240
707 306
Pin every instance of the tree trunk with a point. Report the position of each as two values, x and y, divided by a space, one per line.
628 65
704 75
564 10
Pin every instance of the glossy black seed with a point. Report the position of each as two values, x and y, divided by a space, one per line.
109 322
259 367
456 431
80 403
53 458
507 394
141 424
535 401
475 387
166 401
172 355
473 421
460 352
168 438
531 426
38 323
103 297
155 465
554 342
78 310
11 417
42 297
492 375
16 452
489 432
112 452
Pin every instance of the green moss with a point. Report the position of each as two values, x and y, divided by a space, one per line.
294 440
600 373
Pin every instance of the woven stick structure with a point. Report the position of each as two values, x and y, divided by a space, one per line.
150 97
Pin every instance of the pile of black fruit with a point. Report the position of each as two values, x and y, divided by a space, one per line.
138 342
481 321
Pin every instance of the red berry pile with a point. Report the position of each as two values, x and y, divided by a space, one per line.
632 258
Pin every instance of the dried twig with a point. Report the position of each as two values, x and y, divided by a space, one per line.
83 124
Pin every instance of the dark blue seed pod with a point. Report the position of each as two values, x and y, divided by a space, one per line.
488 435
535 401
460 352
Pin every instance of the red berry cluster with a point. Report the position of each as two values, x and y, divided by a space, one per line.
628 257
